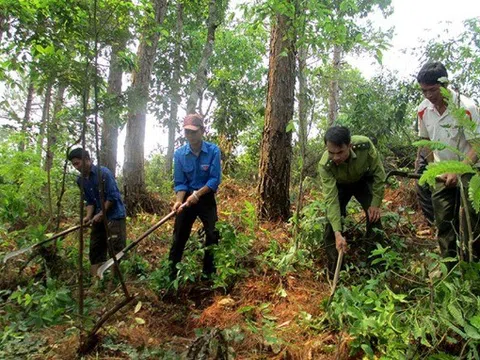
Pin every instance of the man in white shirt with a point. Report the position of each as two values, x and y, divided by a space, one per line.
437 123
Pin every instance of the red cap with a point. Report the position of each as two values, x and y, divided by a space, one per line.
193 122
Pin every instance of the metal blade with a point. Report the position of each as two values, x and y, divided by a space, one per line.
17 252
24 250
107 264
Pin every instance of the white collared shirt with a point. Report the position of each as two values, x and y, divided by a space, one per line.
444 128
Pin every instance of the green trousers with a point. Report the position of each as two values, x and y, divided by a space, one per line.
446 207
362 191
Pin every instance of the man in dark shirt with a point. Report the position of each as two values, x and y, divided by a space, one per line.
197 175
114 207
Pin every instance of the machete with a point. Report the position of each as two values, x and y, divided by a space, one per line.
107 264
31 247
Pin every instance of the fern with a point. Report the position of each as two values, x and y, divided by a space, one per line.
449 166
474 192
438 145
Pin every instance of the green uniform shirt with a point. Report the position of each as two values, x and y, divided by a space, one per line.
363 161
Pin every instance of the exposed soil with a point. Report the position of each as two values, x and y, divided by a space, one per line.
169 321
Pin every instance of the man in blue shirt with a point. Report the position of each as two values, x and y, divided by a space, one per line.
197 175
114 208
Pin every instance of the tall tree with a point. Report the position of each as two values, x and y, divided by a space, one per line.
133 170
276 147
175 91
27 113
111 121
52 134
45 115
334 88
215 16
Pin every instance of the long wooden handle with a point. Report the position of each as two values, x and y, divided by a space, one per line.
107 264
26 249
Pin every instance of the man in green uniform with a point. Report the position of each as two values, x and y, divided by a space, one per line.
350 167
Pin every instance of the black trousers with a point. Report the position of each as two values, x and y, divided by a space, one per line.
98 240
206 210
362 191
446 206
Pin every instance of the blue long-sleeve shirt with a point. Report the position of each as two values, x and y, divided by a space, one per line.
111 192
192 173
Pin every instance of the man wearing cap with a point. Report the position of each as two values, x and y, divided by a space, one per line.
436 123
114 207
350 167
196 175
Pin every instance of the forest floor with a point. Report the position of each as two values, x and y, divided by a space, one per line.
264 313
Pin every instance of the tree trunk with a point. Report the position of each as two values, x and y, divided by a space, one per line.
276 147
52 127
200 81
111 121
26 116
175 98
3 25
302 128
133 170
52 133
334 89
45 115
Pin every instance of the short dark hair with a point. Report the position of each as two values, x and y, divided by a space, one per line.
431 72
338 135
78 153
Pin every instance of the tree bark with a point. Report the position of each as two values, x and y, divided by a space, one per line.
200 81
111 123
302 128
52 127
26 116
3 25
52 133
133 170
175 98
276 147
45 115
333 88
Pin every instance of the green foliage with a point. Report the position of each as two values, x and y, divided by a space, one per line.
438 145
21 181
40 305
138 353
135 265
380 108
414 320
312 225
439 168
230 255
260 321
30 308
474 192
460 53
155 178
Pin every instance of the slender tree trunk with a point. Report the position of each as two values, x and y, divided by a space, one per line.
52 127
26 116
110 124
200 81
175 98
276 147
302 128
3 25
45 115
334 89
52 133
133 170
